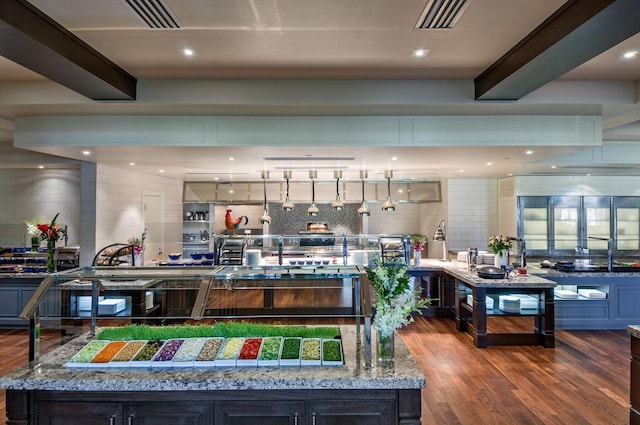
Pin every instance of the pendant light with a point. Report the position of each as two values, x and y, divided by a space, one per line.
363 211
266 218
388 205
287 205
337 205
313 210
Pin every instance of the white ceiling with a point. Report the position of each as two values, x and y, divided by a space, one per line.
294 40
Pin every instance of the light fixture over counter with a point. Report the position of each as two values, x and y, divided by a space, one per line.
441 235
287 205
337 205
364 211
313 210
388 205
266 218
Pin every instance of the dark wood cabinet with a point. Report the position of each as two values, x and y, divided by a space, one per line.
266 407
378 412
263 412
79 413
163 413
634 390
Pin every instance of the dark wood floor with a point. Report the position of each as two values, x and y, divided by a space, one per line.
584 380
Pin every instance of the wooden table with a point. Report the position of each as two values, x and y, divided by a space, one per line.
473 318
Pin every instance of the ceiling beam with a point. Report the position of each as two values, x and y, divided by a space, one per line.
577 32
35 41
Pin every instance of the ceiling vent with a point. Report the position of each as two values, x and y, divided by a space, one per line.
441 14
155 13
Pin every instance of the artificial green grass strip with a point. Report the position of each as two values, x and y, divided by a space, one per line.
220 329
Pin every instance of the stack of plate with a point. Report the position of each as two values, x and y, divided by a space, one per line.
592 293
486 258
565 294
488 301
526 301
509 304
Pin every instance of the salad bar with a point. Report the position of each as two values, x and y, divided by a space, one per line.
346 393
314 347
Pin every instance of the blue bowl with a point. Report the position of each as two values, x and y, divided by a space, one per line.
209 255
308 263
175 256
207 263
293 263
196 256
325 262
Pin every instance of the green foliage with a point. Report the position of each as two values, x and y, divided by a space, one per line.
220 329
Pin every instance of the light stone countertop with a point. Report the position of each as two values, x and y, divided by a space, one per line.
52 375
124 285
458 269
634 330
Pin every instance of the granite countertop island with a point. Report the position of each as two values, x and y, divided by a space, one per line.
52 374
348 394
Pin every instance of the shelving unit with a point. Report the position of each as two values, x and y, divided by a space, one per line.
197 228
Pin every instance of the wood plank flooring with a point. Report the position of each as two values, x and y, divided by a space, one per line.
584 380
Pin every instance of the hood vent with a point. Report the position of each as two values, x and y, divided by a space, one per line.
155 13
441 14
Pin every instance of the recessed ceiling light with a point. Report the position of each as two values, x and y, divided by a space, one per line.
86 153
161 171
489 163
394 158
231 158
41 166
419 53
630 54
132 163
461 171
215 178
188 52
553 166
510 174
529 152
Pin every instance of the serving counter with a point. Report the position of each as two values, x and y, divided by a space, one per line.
350 394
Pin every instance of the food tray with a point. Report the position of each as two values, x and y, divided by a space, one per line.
188 352
290 361
228 353
270 351
208 353
82 358
330 362
311 352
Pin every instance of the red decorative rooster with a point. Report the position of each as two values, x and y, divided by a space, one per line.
232 224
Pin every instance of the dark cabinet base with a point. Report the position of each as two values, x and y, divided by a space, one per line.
270 407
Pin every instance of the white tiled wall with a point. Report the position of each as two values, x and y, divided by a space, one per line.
472 212
38 194
119 214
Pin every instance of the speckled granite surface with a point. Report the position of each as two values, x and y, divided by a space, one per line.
52 375
524 281
634 330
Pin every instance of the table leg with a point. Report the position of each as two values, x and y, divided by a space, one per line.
480 317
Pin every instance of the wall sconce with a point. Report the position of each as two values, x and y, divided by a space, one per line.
441 235
313 210
287 205
337 205
363 211
266 218
388 205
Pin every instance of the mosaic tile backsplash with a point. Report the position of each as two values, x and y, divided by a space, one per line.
345 222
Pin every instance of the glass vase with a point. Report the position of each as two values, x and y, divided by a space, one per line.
417 256
385 347
51 248
35 243
501 259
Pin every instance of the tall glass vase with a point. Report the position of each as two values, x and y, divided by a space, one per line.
385 347
51 248
501 259
417 256
35 243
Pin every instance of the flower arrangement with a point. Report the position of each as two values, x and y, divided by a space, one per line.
499 244
419 242
138 244
32 226
51 233
394 300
